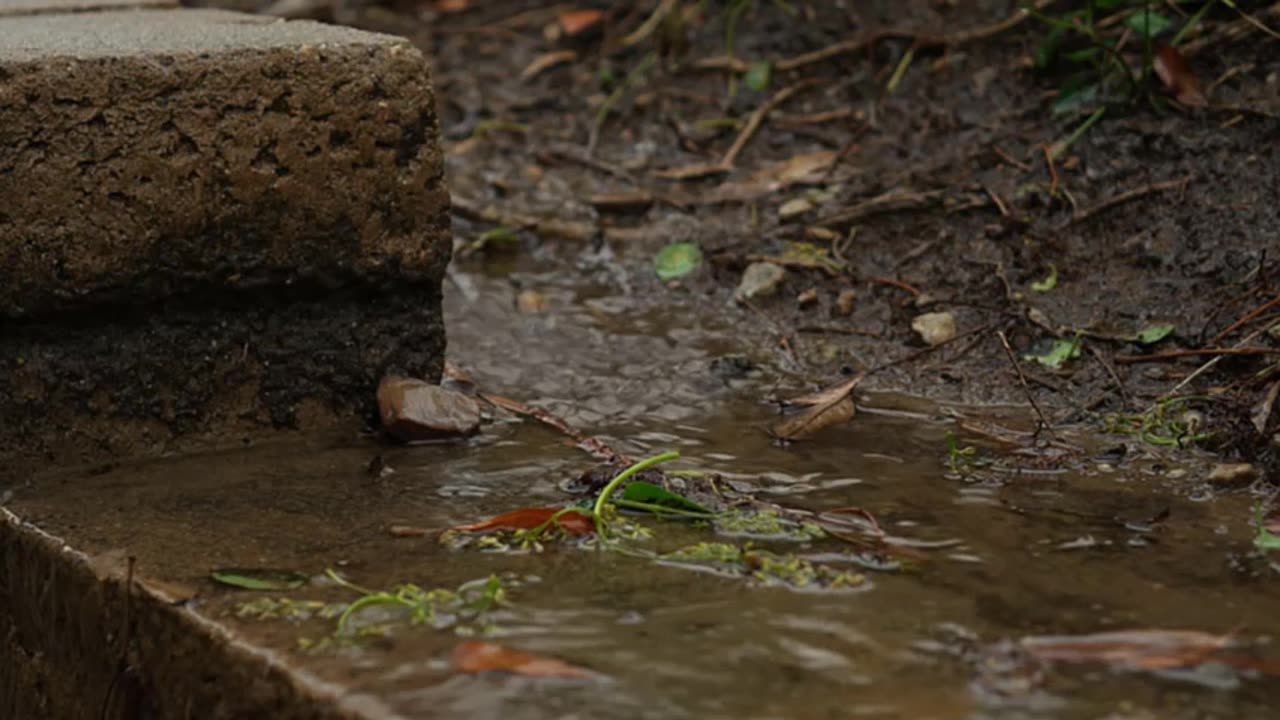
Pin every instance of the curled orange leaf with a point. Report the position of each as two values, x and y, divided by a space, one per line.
573 522
478 657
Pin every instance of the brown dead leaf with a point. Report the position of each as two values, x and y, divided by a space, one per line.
574 22
445 7
806 168
1137 649
546 61
832 406
476 656
694 172
1172 69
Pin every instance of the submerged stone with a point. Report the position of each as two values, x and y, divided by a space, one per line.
416 411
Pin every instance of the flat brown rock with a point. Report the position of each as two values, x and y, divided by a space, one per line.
148 154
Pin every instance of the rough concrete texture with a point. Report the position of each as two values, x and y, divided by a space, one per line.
148 154
210 225
64 644
35 7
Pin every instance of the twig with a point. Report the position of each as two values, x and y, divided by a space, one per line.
849 47
836 330
911 357
1115 377
757 117
1175 354
1125 197
649 25
1214 361
896 284
725 164
1250 317
892 201
607 106
1004 341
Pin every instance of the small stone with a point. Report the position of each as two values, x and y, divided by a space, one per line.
531 301
414 410
807 298
815 233
1233 474
758 280
795 208
844 302
935 328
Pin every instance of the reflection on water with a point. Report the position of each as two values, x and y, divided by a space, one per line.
1035 553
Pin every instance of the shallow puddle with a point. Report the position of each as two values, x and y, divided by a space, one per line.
1041 552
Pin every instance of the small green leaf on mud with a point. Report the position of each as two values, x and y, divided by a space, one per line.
1048 283
1153 334
1073 97
1148 23
650 494
1058 353
677 260
258 578
1265 540
758 75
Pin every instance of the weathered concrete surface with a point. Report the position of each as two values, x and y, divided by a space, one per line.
147 154
63 638
34 7
210 224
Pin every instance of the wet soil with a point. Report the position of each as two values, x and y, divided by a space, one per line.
1076 547
570 318
961 137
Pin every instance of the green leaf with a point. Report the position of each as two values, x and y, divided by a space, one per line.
1058 353
758 75
1074 96
1148 23
1047 52
1050 282
650 494
1084 55
1265 539
1153 334
259 578
677 260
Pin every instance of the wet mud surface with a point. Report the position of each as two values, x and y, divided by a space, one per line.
1084 546
1119 534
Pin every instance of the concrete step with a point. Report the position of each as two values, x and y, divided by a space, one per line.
211 224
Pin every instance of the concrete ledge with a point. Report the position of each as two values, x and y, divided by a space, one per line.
150 154
211 225
62 620
10 8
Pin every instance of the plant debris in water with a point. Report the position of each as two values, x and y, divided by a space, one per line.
467 610
763 567
261 579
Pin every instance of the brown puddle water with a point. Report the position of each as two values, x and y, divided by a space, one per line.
1003 562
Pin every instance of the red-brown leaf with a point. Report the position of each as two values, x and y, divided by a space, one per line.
1172 69
477 657
577 21
572 522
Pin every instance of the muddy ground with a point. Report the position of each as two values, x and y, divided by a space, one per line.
940 197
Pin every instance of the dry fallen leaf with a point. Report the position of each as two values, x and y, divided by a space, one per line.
806 168
477 657
547 61
573 522
823 409
1172 69
1138 649
450 6
573 22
